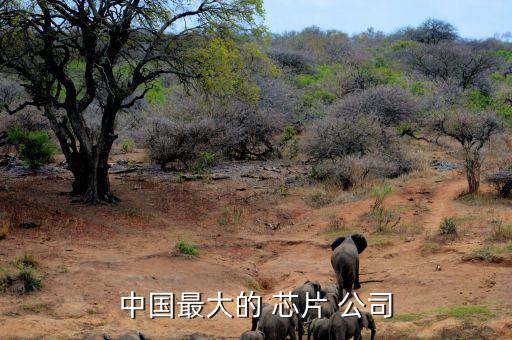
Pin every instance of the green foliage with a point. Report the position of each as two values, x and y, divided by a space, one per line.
34 147
319 95
322 72
419 88
24 281
127 145
448 227
288 133
205 160
157 95
186 248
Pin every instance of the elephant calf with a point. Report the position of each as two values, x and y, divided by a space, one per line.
276 327
327 308
344 328
345 261
252 335
319 329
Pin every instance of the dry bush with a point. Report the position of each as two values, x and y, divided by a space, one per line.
392 105
247 133
351 150
170 141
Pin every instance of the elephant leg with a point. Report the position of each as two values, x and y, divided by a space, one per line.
357 285
292 333
300 328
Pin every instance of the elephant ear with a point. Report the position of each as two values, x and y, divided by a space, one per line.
337 242
360 242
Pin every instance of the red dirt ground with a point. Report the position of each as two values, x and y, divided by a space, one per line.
91 256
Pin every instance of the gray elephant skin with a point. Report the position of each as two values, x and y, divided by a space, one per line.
252 335
348 327
319 329
300 293
276 327
345 261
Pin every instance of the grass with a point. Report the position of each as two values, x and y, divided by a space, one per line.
501 232
490 252
319 198
254 284
430 248
380 240
466 312
186 248
37 308
461 312
233 215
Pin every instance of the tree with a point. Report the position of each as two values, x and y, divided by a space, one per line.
472 130
71 55
433 31
464 62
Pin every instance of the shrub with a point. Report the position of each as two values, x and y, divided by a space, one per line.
502 182
127 145
170 141
34 147
392 105
447 227
24 281
246 132
186 248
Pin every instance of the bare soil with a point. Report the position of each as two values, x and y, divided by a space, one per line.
255 229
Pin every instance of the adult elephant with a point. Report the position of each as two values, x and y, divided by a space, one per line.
345 261
300 300
275 326
348 327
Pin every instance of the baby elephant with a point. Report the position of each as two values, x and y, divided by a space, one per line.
319 329
345 261
300 299
344 328
252 335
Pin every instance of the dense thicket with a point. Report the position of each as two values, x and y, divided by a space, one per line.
347 105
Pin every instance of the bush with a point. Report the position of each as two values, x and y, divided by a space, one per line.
34 147
448 227
170 141
247 133
502 182
391 105
186 248
24 281
127 145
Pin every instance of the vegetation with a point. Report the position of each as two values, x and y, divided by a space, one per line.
448 227
24 281
186 248
34 147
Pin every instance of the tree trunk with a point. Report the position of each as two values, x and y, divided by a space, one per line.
473 173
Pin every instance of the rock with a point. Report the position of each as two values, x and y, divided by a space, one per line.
29 225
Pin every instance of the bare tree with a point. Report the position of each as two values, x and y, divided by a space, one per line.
72 54
472 130
461 61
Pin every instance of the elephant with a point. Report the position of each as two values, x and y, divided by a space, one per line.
327 308
319 329
332 290
252 335
133 336
301 292
276 327
346 327
345 261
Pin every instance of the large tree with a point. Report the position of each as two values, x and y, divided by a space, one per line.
73 55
